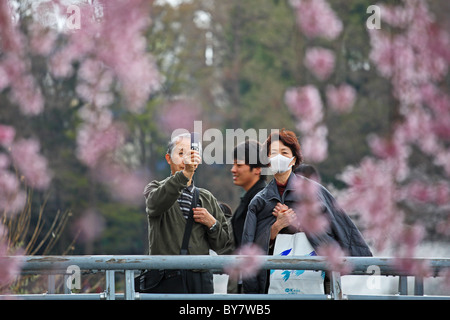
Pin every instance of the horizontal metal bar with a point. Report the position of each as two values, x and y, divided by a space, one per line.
140 262
148 296
259 297
45 296
394 297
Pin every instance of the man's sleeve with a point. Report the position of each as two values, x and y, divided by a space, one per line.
160 196
220 239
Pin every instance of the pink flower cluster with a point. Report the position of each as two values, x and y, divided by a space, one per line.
409 238
89 227
335 258
24 156
96 42
308 209
246 266
316 19
305 103
415 59
320 62
341 98
9 268
372 192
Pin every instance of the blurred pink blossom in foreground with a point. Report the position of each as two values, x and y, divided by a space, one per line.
410 238
306 105
89 227
335 258
320 62
342 98
308 209
248 265
179 114
124 184
7 134
94 145
317 19
25 154
9 269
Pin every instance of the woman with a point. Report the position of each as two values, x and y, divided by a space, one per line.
271 210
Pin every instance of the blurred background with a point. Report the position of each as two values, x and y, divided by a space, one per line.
225 63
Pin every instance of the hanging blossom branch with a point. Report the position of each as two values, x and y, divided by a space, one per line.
109 48
415 60
110 52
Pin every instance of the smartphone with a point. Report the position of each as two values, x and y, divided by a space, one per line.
195 142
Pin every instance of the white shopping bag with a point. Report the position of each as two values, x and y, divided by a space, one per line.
295 281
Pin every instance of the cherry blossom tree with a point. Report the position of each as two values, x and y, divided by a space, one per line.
414 58
105 52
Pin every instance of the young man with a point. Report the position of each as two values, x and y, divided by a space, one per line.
168 205
246 172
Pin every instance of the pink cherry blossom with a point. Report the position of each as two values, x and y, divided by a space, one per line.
335 258
124 184
320 62
12 198
42 39
308 209
96 145
409 238
372 193
179 114
33 166
342 98
7 134
315 143
317 19
9 268
90 226
248 265
305 103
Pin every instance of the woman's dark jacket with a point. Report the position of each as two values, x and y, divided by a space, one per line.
259 221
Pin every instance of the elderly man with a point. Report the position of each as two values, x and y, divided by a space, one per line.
168 206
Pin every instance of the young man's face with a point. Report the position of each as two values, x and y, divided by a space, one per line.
243 176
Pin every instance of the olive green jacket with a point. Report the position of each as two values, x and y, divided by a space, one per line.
166 222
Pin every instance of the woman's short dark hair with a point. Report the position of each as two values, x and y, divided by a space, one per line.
290 140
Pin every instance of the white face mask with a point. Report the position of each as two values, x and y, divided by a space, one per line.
280 164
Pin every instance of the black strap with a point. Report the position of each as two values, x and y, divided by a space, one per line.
189 223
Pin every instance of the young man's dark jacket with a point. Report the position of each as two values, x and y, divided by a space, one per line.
238 218
259 220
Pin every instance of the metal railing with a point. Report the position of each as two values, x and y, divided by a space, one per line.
131 265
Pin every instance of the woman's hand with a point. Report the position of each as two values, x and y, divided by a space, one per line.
285 217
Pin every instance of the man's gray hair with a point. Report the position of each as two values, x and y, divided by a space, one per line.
175 140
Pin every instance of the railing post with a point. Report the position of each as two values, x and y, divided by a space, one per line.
129 285
336 287
403 285
67 289
418 286
51 284
110 285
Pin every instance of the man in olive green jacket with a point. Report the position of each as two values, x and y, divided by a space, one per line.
167 221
